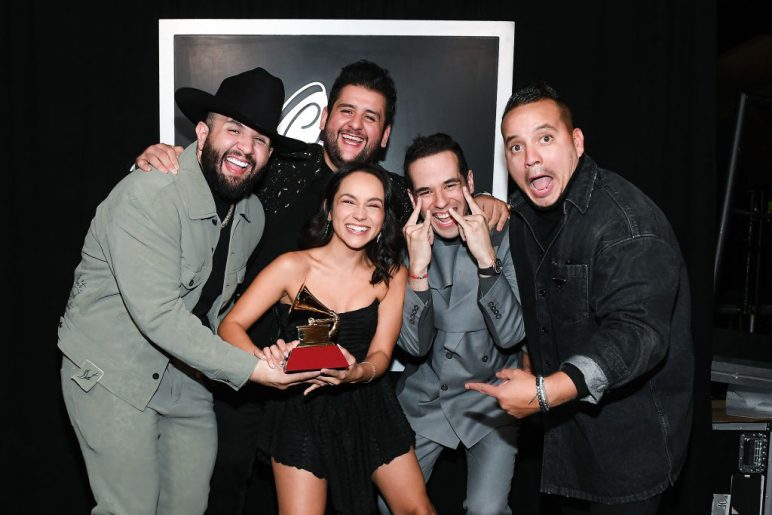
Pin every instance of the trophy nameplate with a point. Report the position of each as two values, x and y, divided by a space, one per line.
315 350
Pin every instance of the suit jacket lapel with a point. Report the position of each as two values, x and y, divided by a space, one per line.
442 268
453 274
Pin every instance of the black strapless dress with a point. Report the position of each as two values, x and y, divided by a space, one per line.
339 433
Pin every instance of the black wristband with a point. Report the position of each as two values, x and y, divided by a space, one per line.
491 270
578 379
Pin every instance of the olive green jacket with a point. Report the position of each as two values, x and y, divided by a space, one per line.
144 263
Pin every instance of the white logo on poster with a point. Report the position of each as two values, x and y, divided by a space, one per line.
302 111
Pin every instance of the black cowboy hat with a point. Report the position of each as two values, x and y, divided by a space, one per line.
254 98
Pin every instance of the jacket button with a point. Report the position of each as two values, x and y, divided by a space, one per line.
214 222
548 363
449 355
155 375
542 293
190 283
60 323
485 359
542 330
444 388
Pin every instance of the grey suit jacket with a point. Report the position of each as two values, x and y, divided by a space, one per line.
145 260
466 331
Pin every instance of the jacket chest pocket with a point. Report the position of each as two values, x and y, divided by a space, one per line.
569 285
192 277
196 248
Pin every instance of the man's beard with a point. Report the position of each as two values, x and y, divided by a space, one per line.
221 185
367 155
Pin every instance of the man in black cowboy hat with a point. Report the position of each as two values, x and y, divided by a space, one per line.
160 263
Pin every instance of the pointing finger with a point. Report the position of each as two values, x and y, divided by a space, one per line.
487 389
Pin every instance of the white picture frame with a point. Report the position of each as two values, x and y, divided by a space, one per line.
451 76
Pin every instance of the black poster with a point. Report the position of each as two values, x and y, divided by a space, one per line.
452 77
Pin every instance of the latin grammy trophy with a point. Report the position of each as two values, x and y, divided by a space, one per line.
315 349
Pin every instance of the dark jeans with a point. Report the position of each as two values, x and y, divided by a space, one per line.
238 414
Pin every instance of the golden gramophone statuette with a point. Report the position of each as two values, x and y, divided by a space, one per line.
315 350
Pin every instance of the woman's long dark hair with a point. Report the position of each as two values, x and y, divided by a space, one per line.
385 252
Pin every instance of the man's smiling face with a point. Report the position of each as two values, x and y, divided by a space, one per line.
438 182
355 128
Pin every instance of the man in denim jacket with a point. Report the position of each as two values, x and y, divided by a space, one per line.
607 313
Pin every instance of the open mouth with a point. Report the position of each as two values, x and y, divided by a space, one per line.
351 139
443 219
357 229
541 184
236 166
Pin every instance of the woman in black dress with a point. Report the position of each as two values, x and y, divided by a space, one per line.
345 430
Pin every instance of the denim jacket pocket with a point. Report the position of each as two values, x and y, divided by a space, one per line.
570 293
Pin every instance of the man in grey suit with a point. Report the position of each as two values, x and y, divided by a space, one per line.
462 318
161 260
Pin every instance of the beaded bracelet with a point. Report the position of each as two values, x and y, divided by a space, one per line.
542 394
373 367
419 276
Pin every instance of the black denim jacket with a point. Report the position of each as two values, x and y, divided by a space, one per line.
610 287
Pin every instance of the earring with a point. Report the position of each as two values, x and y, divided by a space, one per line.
326 229
378 238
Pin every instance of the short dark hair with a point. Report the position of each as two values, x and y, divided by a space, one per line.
540 91
385 252
425 146
368 75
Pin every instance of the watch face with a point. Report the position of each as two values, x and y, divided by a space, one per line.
497 266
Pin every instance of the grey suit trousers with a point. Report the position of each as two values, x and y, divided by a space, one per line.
155 461
490 467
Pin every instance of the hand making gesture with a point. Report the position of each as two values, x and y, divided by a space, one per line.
515 393
473 229
419 238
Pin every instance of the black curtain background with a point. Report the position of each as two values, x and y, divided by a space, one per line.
79 89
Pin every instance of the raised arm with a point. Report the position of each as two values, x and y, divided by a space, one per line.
160 156
417 332
496 211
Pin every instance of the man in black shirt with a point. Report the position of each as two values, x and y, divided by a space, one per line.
356 125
